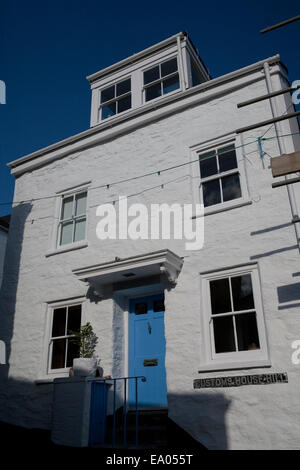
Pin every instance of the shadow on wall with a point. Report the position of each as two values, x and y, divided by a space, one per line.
24 403
11 279
202 415
199 417
289 293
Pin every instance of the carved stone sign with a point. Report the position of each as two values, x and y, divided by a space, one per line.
237 381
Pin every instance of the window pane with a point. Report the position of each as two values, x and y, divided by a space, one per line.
123 87
211 193
231 187
109 110
227 158
108 94
124 103
79 230
224 335
74 319
141 308
242 292
208 164
72 352
195 76
158 305
67 208
220 296
58 354
168 67
171 84
151 75
66 233
80 204
153 91
59 322
247 333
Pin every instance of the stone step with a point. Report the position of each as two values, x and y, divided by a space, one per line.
148 418
156 430
152 428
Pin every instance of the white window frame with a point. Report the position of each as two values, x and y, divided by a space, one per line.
161 79
195 153
238 359
48 344
54 247
115 99
73 218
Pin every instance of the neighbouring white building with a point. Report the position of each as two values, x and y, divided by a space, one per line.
194 322
4 227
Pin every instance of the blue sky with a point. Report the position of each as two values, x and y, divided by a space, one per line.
48 48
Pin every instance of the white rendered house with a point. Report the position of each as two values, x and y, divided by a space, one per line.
194 322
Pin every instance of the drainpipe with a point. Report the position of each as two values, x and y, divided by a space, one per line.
180 63
290 189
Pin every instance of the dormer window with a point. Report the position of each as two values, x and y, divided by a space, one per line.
115 99
161 79
153 76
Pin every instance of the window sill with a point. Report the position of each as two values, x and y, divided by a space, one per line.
65 249
44 381
222 366
217 210
48 379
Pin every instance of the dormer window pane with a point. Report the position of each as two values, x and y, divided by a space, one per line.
151 75
123 87
109 110
171 84
124 103
153 91
107 94
169 67
196 80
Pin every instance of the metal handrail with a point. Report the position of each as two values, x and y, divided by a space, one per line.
125 379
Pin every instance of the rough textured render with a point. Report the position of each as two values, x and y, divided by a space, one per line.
260 231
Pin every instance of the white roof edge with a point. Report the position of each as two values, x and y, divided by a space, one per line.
105 125
134 57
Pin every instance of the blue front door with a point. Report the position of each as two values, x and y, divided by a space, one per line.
147 348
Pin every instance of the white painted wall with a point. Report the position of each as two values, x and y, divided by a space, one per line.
71 412
246 417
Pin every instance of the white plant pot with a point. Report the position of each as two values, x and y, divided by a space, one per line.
85 366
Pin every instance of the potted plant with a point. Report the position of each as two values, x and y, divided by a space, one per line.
86 364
